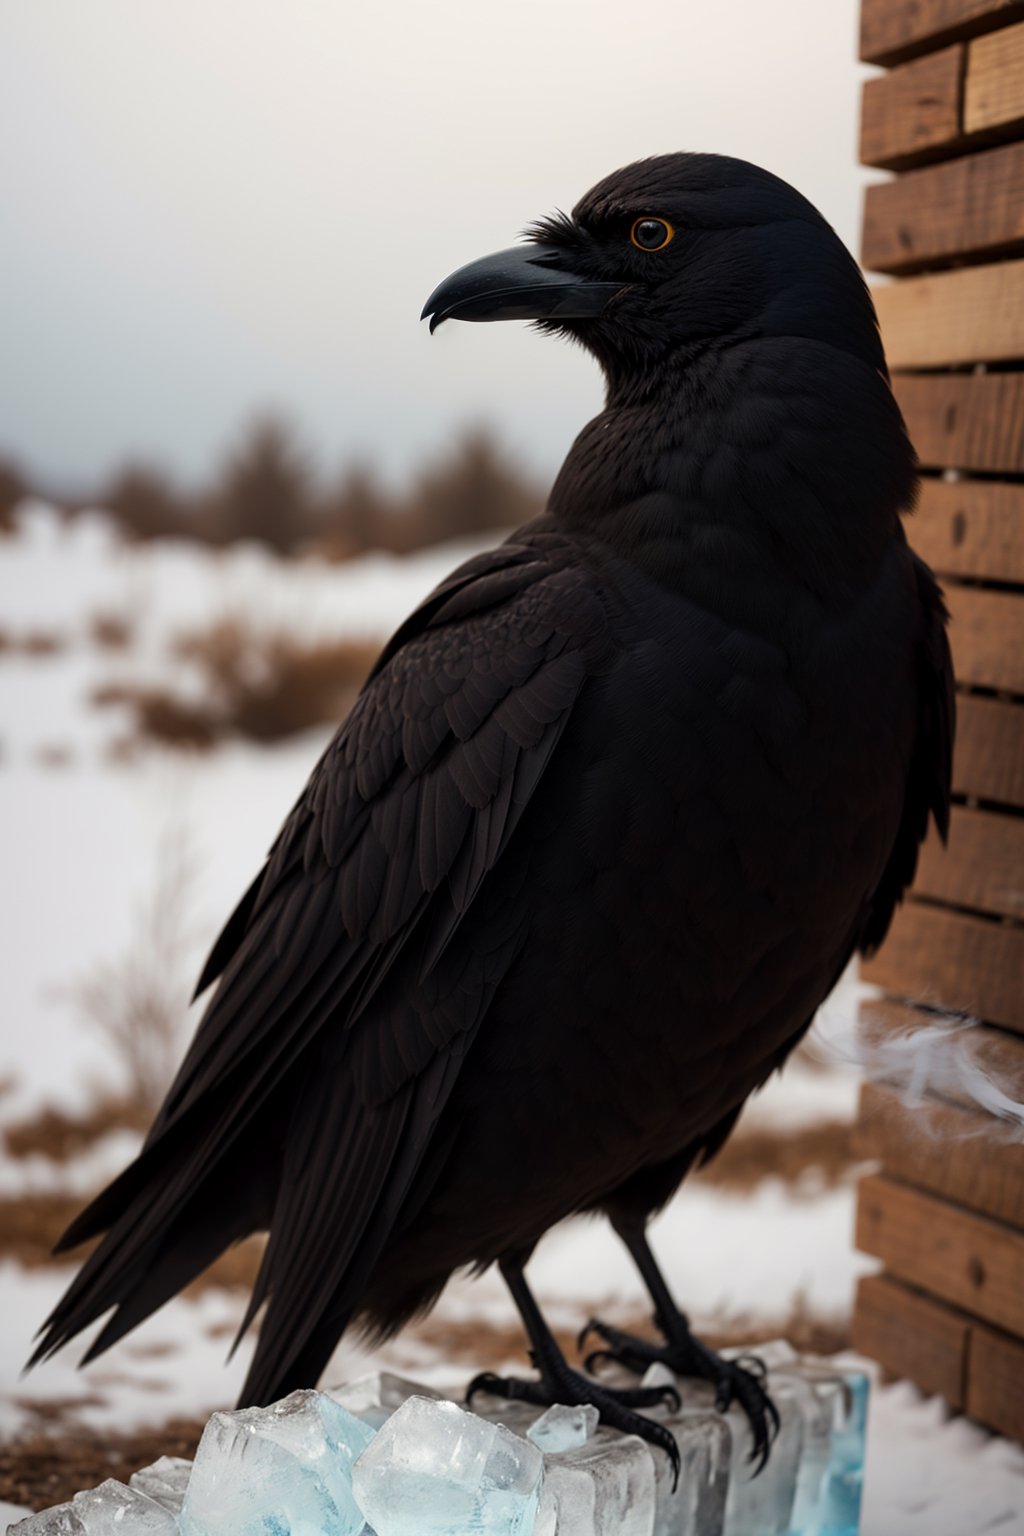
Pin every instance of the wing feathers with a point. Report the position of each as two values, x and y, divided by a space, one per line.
374 873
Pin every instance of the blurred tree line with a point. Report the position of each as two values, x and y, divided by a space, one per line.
266 490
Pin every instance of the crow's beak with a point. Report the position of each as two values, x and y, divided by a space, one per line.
527 282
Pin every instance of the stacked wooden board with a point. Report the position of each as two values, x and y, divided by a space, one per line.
945 1214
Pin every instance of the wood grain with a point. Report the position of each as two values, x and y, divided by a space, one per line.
965 421
973 1366
913 112
982 867
953 1254
986 632
967 208
970 528
912 1335
965 1156
893 29
952 960
995 1381
947 318
891 1033
994 86
988 757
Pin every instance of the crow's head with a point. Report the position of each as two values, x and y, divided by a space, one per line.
668 257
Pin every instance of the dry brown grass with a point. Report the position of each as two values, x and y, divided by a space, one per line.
159 716
266 685
38 643
261 686
31 1225
61 1134
53 755
111 631
47 1465
816 1155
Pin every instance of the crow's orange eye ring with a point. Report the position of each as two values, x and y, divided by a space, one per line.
651 228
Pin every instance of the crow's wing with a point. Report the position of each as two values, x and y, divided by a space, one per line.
344 1008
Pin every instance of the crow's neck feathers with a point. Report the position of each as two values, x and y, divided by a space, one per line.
789 448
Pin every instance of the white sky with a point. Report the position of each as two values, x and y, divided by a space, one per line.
213 206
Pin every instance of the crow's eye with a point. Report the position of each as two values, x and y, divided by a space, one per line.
651 234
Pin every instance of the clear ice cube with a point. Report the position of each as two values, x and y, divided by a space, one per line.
840 1514
603 1488
164 1481
762 1505
696 1506
285 1470
834 1408
815 1401
563 1428
59 1520
434 1470
109 1510
546 1523
112 1508
375 1398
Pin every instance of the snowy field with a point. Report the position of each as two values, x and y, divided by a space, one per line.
87 832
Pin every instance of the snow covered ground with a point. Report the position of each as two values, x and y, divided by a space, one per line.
84 839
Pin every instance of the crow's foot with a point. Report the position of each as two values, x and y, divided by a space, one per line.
738 1381
559 1383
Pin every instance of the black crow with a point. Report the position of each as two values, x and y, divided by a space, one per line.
613 811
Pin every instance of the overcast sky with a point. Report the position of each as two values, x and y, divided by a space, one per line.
215 206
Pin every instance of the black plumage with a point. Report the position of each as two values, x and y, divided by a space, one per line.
610 816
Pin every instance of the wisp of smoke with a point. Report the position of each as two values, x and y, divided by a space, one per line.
948 1057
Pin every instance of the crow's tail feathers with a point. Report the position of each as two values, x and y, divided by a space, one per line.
165 1220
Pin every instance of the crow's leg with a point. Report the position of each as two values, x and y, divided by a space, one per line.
559 1383
740 1381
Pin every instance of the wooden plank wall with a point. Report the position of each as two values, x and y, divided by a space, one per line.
945 1212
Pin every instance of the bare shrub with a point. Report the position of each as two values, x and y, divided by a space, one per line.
41 643
475 488
145 502
256 685
54 754
266 686
138 1001
472 489
12 490
265 489
160 716
61 1135
111 631
807 1159
356 516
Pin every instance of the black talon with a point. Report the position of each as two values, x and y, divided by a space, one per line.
597 1357
485 1381
741 1381
559 1383
754 1366
588 1328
